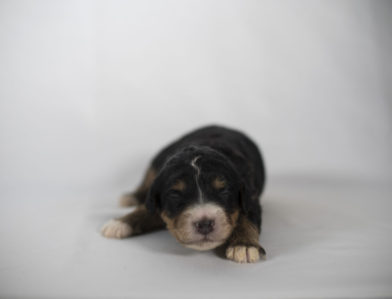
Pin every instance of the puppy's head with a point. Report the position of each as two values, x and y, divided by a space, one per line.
198 194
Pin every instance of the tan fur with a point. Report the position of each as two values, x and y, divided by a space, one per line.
182 226
245 233
116 229
149 178
243 254
142 221
138 197
137 222
243 244
234 217
170 223
179 186
218 183
128 200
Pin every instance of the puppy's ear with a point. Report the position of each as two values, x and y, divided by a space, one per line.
245 197
153 197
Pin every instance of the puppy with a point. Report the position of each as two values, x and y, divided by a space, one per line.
205 189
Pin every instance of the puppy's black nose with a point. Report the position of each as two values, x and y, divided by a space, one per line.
205 226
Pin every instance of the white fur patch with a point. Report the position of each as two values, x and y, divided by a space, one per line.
243 254
116 229
201 246
208 210
193 164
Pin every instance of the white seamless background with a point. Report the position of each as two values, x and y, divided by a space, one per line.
91 89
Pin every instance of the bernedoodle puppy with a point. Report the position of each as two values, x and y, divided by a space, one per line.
204 188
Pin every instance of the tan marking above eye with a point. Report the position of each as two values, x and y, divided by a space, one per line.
218 183
179 186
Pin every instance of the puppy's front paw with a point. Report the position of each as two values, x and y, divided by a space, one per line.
244 254
116 229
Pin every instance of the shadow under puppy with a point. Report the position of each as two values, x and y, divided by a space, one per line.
205 189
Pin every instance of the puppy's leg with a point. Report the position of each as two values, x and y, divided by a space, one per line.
243 245
139 195
137 222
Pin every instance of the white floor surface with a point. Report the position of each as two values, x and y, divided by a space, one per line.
325 238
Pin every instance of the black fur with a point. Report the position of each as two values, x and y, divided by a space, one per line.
222 153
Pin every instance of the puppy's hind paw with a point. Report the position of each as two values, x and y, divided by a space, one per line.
116 229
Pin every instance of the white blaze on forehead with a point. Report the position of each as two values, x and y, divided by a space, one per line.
193 164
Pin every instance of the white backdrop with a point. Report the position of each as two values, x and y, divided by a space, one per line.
90 90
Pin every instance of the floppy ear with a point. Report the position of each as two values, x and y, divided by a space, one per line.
153 197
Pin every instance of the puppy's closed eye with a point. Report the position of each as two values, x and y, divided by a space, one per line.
174 200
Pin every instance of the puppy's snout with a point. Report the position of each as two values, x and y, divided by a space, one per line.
205 226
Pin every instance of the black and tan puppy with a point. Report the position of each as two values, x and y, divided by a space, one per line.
205 189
